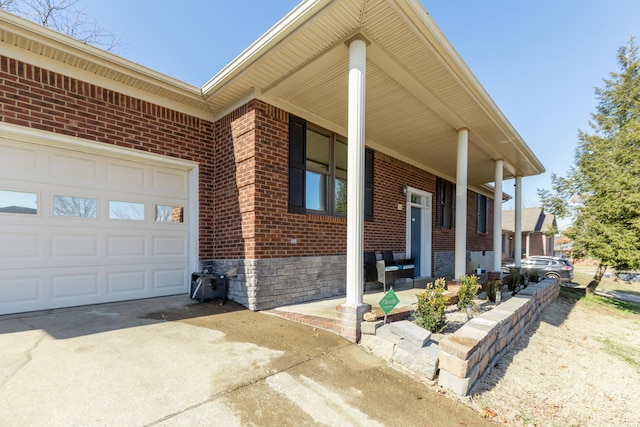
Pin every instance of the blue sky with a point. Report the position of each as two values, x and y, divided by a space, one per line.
539 60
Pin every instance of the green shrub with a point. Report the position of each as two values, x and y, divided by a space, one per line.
468 290
430 309
514 279
534 277
493 287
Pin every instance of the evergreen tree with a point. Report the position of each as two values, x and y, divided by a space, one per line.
602 190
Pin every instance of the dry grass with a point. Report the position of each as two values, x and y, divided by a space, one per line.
579 365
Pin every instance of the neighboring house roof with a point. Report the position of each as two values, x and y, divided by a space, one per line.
419 90
533 220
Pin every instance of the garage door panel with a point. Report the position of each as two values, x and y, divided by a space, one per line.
17 245
74 285
167 182
51 258
17 158
74 166
16 287
82 246
130 281
127 246
167 246
169 279
127 175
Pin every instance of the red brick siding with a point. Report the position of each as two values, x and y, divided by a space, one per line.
388 231
262 197
477 241
243 166
40 99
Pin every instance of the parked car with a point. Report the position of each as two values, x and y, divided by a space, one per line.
545 266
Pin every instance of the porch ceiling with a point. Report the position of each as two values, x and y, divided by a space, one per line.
419 91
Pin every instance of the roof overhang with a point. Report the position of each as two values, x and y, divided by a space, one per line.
419 91
57 52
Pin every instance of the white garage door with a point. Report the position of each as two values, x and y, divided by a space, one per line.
81 228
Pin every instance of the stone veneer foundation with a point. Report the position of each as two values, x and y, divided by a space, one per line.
261 284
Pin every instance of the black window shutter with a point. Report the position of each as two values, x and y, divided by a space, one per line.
368 185
297 163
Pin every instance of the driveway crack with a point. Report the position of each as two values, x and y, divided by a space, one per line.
28 359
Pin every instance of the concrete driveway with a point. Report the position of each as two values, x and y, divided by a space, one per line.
168 361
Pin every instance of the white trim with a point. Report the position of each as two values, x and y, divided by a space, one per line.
425 231
194 220
36 136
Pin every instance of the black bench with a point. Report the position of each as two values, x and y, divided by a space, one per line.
388 269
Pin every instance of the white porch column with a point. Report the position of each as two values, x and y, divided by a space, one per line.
517 243
349 315
497 217
461 203
355 171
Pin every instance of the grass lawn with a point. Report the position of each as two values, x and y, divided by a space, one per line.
582 275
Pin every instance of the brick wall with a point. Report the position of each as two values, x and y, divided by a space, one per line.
251 152
40 99
388 230
243 166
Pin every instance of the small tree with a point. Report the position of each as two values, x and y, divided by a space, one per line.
601 192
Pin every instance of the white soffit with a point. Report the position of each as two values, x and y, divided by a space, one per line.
419 91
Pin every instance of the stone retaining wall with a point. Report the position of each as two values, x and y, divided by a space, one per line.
468 354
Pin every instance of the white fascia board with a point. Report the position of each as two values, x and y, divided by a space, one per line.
415 12
68 47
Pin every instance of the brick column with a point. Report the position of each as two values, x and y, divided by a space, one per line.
348 319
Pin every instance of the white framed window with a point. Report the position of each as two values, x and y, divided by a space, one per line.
18 202
74 206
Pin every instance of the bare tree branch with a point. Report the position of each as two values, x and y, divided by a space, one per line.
66 17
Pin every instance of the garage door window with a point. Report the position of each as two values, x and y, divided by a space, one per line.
168 213
77 207
18 202
126 210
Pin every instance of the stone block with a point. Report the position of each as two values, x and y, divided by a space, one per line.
498 316
379 347
422 364
513 304
464 342
411 332
452 364
457 385
370 328
385 333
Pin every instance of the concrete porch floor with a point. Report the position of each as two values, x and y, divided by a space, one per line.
322 313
